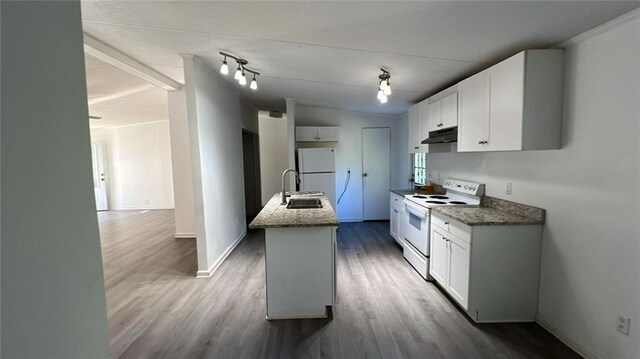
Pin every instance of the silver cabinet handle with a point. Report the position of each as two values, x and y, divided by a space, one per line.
440 125
416 148
446 222
483 142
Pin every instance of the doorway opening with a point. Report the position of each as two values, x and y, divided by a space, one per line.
251 165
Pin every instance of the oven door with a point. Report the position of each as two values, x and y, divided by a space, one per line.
416 227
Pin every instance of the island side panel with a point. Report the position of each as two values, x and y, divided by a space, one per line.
299 270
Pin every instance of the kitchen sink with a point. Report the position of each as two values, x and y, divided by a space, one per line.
304 203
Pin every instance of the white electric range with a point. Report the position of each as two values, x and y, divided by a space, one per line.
417 220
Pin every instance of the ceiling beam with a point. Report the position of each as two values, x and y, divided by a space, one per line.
111 56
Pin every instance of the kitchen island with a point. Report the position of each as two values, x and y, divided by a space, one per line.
300 258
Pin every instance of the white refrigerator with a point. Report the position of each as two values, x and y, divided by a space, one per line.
317 169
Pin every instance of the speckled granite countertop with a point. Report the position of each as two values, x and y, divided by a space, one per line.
275 215
485 216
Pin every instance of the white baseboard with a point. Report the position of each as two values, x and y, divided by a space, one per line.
185 235
565 338
350 219
209 272
140 208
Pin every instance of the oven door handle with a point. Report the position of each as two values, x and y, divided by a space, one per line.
419 212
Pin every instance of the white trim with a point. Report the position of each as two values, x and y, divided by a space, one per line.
565 338
185 235
209 272
119 125
350 219
600 29
141 208
111 56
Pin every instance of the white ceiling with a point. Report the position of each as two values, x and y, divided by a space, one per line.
329 53
120 98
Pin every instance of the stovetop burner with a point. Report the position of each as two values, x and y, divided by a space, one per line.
457 202
418 196
436 202
439 197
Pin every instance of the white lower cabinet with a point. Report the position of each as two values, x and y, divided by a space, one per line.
396 212
492 272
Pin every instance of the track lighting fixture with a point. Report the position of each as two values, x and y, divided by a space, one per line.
240 70
384 86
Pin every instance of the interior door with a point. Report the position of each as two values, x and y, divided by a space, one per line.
376 172
99 176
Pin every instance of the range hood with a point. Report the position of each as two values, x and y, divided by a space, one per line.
446 135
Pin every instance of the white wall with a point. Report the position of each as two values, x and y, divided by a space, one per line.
139 165
349 150
53 301
181 165
591 245
274 154
217 112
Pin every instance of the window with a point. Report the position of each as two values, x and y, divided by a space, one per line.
420 168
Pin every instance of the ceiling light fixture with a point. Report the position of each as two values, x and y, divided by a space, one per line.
240 70
384 86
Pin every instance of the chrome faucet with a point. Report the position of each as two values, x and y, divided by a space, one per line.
284 193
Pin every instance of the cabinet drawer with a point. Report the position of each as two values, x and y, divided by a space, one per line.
460 230
396 200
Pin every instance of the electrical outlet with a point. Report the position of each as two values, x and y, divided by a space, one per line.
623 325
509 188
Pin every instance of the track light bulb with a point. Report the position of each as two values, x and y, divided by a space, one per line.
243 79
224 69
254 84
380 94
387 89
238 73
383 99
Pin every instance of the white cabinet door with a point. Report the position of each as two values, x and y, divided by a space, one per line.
414 123
423 125
506 106
393 220
435 116
449 111
473 128
306 134
327 134
438 261
459 265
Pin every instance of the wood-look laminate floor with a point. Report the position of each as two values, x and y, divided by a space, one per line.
157 309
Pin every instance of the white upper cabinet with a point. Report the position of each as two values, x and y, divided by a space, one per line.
418 127
414 131
514 105
473 128
443 113
315 134
423 125
327 133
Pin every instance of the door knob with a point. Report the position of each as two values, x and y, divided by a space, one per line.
364 174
